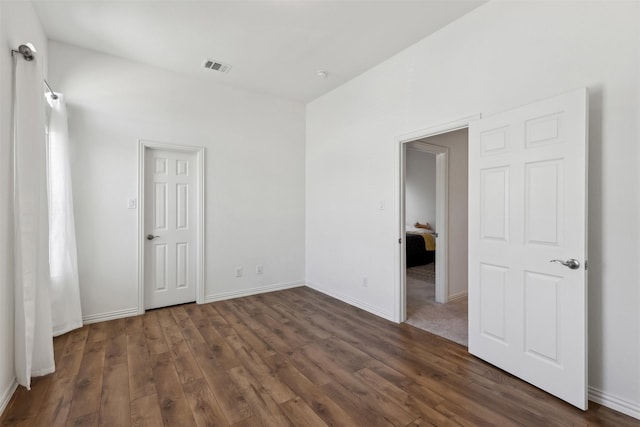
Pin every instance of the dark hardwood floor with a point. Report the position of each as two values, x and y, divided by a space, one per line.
295 357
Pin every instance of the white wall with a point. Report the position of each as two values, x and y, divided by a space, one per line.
420 188
499 56
458 226
254 174
18 25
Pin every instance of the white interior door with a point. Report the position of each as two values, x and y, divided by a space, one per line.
527 207
170 224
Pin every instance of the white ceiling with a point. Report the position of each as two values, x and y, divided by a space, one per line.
274 47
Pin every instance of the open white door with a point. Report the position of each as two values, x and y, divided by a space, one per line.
527 207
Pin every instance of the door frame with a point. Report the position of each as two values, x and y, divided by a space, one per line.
400 282
143 145
442 214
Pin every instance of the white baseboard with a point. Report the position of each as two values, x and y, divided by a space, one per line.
7 394
252 291
111 315
458 296
613 402
354 302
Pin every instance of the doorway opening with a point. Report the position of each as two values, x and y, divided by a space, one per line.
170 225
434 193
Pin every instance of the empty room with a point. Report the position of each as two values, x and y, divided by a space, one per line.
319 213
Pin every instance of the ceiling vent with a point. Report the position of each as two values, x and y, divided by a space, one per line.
216 66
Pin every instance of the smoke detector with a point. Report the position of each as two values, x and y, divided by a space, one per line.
210 64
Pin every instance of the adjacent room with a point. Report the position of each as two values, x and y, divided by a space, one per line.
315 212
436 234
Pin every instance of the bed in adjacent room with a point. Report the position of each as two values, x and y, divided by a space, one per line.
420 246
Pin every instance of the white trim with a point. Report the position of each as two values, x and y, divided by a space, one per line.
457 296
399 311
433 130
442 217
7 394
253 291
352 301
110 315
613 402
200 213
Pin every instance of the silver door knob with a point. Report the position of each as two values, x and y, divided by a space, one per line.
151 236
573 264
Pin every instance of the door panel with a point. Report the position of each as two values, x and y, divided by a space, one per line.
544 201
493 279
527 206
541 326
495 205
170 219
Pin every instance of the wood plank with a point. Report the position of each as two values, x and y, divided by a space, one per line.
170 329
59 345
248 422
116 345
25 405
217 345
215 319
264 408
145 412
300 414
412 403
115 409
205 408
133 325
55 407
153 334
76 340
238 327
88 388
405 383
309 327
328 410
286 333
174 407
231 401
188 329
88 420
309 368
278 390
351 404
365 398
97 332
185 363
141 380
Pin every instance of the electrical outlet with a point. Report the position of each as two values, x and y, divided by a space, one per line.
132 203
258 269
238 271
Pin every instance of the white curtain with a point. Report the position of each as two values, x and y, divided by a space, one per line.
66 313
33 339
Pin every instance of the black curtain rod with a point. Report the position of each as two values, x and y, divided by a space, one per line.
27 54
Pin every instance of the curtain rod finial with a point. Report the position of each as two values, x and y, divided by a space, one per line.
27 51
